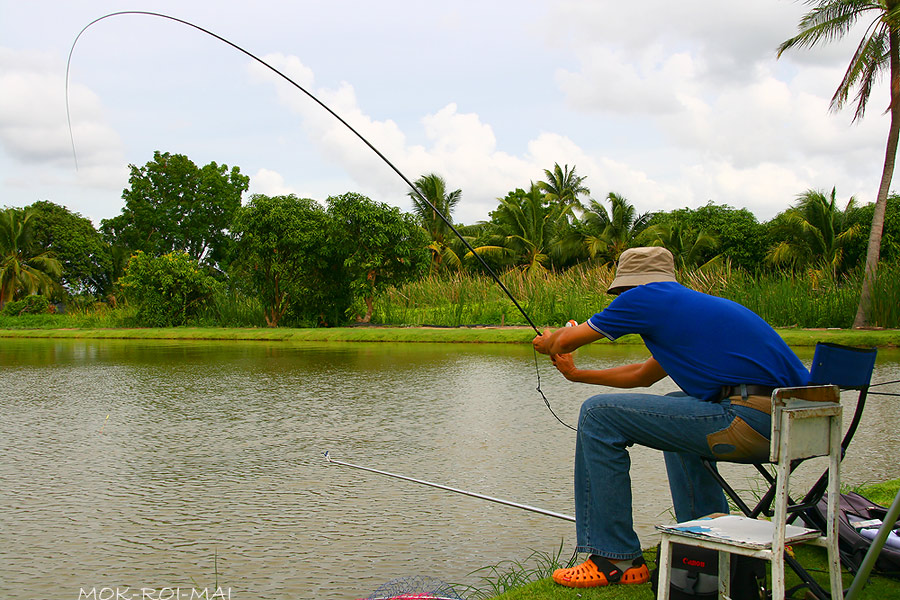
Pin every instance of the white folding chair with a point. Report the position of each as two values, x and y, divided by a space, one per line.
806 422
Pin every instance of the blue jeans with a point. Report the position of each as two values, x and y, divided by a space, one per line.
678 425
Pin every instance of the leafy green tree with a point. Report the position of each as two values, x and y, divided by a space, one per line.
878 52
890 241
24 268
527 225
434 189
814 233
741 238
563 186
287 249
384 246
73 240
168 289
173 205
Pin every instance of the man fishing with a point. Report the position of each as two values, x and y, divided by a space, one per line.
725 359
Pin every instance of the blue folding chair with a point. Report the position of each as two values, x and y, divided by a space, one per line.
848 368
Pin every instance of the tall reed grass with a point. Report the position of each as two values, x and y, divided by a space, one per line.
470 299
230 308
810 300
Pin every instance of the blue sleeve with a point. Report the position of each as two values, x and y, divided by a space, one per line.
626 314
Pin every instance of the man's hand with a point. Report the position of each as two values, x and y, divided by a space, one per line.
565 365
541 342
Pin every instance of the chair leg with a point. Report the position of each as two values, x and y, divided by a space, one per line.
663 562
724 574
777 576
781 493
834 501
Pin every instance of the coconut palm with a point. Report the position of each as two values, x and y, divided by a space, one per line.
614 231
688 246
434 189
878 52
563 186
23 270
526 224
814 232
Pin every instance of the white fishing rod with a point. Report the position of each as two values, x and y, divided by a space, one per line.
527 507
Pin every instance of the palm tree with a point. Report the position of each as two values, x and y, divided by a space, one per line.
689 246
22 270
609 233
526 224
563 186
877 52
814 231
434 189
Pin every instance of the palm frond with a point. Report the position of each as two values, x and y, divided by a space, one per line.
827 22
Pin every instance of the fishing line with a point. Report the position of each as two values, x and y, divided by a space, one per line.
415 190
883 393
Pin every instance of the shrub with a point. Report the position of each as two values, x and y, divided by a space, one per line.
168 289
29 305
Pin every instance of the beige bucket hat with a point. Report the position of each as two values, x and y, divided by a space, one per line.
638 266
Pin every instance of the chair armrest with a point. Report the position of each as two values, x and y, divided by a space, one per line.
826 397
811 393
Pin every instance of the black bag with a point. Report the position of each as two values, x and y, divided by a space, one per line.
694 574
852 543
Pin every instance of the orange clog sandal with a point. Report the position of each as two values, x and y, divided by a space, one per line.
589 574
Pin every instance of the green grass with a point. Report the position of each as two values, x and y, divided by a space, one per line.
534 582
503 335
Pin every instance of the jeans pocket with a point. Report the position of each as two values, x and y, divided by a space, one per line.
739 443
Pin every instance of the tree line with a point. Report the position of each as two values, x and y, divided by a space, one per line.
183 235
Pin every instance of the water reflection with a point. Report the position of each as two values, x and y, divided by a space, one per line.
209 469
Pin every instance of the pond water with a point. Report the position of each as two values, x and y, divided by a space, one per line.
163 465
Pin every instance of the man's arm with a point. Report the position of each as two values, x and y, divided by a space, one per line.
642 374
566 339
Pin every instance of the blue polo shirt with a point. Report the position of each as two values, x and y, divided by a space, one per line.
703 342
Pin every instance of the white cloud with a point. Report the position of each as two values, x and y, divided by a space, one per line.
33 126
461 148
669 104
270 183
608 82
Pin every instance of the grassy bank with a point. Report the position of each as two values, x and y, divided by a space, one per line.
794 337
519 583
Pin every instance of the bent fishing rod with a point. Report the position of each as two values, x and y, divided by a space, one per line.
527 507
317 101
343 122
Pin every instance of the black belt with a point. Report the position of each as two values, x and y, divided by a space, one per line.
745 389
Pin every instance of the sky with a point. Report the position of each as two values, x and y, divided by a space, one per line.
669 104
